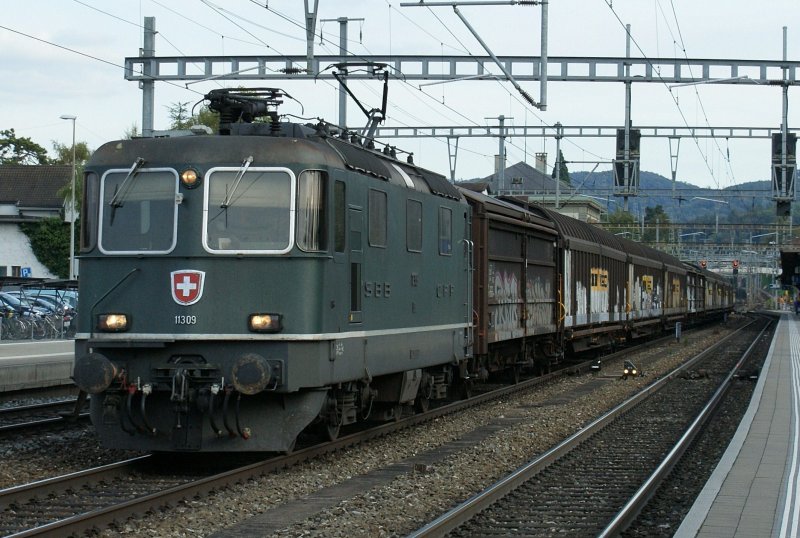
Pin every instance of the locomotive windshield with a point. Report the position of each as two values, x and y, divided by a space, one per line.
249 209
138 212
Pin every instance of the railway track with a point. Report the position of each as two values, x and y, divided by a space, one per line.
597 481
35 416
99 497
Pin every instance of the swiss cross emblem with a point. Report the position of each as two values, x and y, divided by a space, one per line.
187 286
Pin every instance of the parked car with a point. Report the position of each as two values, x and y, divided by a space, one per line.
47 302
21 306
65 296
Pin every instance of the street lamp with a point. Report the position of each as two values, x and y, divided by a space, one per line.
716 210
72 202
763 235
695 234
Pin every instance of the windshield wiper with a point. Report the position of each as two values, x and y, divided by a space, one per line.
121 191
245 165
119 195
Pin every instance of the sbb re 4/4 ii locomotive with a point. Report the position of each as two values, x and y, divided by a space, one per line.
240 287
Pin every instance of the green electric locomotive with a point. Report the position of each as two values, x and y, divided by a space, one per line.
240 287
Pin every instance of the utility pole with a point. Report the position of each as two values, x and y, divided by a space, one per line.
311 26
452 156
148 84
627 154
558 164
788 173
673 159
343 71
501 158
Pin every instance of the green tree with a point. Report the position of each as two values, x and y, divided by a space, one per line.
622 223
20 150
131 132
181 118
64 156
64 153
50 243
655 220
564 173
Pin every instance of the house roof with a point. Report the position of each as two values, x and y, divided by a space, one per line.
33 186
525 178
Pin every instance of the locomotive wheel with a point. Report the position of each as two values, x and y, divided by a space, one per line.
326 431
422 404
331 431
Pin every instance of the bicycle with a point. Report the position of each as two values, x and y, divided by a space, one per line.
12 327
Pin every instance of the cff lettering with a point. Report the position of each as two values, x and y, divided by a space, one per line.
377 289
445 290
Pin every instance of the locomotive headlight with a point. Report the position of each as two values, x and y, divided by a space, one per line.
265 323
189 178
112 322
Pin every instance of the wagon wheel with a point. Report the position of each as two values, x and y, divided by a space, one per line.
465 388
515 372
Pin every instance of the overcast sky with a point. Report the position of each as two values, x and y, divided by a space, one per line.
80 71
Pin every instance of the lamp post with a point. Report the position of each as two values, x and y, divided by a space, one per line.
72 202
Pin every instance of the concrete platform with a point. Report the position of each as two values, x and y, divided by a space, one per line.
753 492
35 364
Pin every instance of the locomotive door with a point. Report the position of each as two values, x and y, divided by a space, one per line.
356 253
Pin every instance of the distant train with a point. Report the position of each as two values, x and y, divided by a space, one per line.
242 287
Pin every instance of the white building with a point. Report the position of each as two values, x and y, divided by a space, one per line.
27 194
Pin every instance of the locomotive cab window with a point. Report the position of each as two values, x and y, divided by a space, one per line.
311 195
252 210
91 203
138 212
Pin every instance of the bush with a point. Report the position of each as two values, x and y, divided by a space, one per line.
50 244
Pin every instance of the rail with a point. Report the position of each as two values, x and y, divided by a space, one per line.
465 511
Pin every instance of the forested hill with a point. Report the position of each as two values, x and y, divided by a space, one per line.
748 202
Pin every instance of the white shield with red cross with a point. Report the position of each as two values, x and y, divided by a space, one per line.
187 286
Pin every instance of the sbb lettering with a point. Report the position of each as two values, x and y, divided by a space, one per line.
377 289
